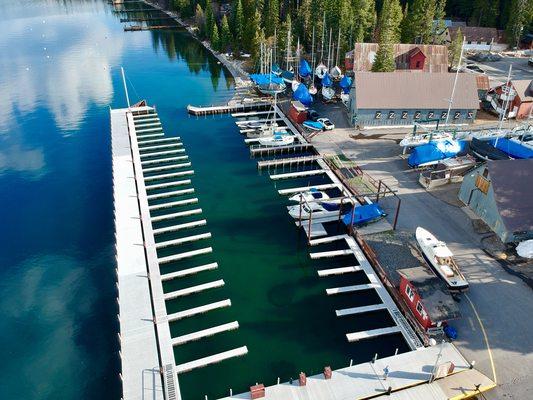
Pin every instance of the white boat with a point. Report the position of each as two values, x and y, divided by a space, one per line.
305 212
276 140
321 71
424 138
313 90
327 93
440 258
311 195
336 73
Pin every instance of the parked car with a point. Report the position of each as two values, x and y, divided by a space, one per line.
473 69
312 115
328 125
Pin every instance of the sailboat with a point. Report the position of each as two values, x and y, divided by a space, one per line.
312 88
273 136
268 83
440 258
327 90
336 72
321 70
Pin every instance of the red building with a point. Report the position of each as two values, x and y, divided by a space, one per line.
297 112
427 297
519 98
416 59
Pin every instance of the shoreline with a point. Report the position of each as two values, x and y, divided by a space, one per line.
240 76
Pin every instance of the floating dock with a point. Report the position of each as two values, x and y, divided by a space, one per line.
151 198
229 108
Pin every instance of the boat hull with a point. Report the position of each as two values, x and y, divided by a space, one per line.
426 240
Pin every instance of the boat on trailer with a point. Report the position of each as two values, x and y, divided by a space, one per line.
313 125
440 258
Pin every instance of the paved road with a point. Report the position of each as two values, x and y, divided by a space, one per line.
503 302
498 70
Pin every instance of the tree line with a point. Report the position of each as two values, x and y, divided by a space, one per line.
252 22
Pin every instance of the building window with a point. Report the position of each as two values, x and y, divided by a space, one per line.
431 114
392 114
457 115
378 115
417 114
470 115
421 310
485 173
404 114
443 115
417 65
469 42
409 292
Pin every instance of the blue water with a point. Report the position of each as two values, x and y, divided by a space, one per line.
59 74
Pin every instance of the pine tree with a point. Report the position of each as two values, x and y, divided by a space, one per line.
390 19
209 18
238 24
214 38
454 50
199 18
271 18
225 35
485 12
250 32
364 12
521 14
419 25
439 29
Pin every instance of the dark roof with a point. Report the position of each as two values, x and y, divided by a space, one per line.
414 51
478 34
437 301
394 90
512 183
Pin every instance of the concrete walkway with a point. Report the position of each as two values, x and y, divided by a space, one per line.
498 305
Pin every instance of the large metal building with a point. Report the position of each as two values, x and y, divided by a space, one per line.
501 193
403 98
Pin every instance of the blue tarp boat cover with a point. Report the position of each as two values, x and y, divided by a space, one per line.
363 214
346 84
302 95
265 79
514 149
326 80
287 75
435 151
276 70
313 125
305 69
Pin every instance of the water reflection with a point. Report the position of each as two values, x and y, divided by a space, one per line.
67 69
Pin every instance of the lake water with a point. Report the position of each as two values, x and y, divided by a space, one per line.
59 74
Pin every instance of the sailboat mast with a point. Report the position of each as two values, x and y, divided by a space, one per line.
329 47
323 38
313 51
338 49
125 87
506 103
288 47
454 83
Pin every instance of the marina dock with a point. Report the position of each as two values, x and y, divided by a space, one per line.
151 199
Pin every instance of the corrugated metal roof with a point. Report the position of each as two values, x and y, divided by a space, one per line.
478 34
392 90
436 56
482 82
512 183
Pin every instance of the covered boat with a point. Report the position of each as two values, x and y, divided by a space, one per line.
313 125
514 148
484 150
336 72
302 95
440 258
345 84
305 70
363 214
268 83
431 153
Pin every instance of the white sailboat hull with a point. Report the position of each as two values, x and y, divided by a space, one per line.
435 250
277 140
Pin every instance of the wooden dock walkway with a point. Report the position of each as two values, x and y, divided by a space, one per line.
228 108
